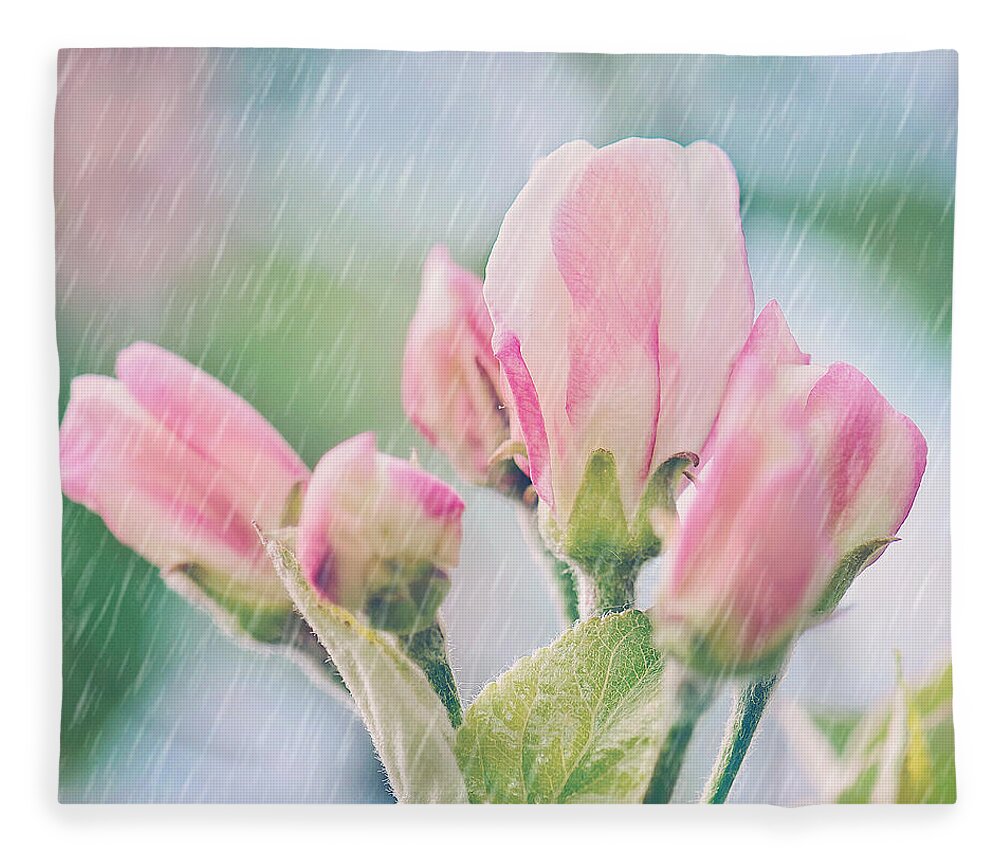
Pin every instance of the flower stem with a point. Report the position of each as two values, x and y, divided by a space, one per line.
748 708
605 589
428 650
692 696
565 583
562 580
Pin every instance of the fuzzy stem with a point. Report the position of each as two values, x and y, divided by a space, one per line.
606 588
748 708
692 696
565 582
586 594
562 581
618 593
428 650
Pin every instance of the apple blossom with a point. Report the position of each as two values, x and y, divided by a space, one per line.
751 555
451 379
178 466
810 474
378 534
621 296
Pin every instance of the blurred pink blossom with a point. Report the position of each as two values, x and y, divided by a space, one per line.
134 189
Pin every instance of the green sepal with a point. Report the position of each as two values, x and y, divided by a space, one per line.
600 541
660 494
597 532
711 654
579 721
264 621
404 597
927 774
847 570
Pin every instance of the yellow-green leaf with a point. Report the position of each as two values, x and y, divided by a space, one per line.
579 721
407 722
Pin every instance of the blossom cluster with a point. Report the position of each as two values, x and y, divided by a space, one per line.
607 373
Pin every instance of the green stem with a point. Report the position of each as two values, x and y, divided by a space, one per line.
748 708
428 650
692 696
605 589
565 583
616 592
563 580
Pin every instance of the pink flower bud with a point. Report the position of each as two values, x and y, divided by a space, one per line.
871 456
621 296
378 534
451 379
751 555
809 472
178 466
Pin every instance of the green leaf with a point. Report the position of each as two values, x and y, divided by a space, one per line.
580 721
928 766
407 722
941 786
231 607
915 770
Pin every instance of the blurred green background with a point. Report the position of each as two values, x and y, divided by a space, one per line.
265 214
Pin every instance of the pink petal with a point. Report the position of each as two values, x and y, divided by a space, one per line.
156 495
607 236
531 423
421 515
433 496
873 456
707 297
752 552
451 379
772 340
528 302
348 470
770 343
213 420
